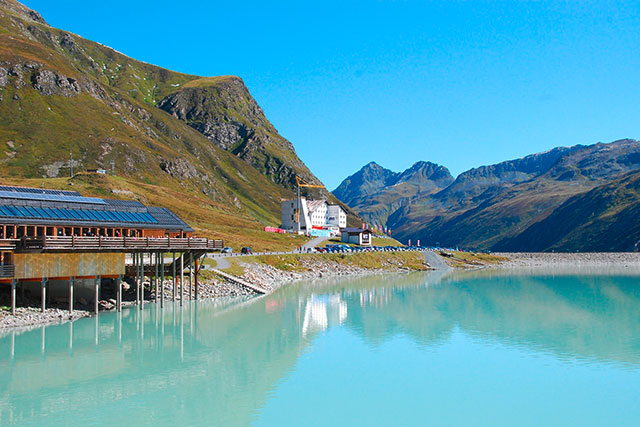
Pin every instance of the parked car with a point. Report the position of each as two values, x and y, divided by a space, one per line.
246 250
227 250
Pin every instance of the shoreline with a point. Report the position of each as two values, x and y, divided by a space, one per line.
271 278
569 259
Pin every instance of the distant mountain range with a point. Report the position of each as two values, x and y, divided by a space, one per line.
580 198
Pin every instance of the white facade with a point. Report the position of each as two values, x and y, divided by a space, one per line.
336 216
313 213
358 236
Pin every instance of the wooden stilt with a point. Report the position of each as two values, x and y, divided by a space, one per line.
141 255
155 278
181 278
13 296
135 276
196 277
71 280
162 279
97 294
190 275
119 294
173 257
43 287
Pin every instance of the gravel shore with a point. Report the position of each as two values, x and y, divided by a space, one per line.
591 259
271 278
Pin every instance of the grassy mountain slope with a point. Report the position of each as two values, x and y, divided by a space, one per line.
62 94
603 219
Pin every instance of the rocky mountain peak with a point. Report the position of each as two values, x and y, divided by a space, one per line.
427 171
22 11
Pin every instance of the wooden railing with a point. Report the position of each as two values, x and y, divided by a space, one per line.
119 244
8 244
7 270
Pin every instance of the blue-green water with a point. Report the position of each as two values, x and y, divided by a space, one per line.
484 348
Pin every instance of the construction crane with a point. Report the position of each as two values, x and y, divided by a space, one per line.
301 183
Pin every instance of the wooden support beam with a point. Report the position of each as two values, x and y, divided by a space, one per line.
43 288
162 280
173 263
13 296
135 276
181 278
97 294
119 294
155 278
141 258
196 278
71 283
190 275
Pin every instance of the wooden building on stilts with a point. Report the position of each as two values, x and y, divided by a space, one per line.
59 244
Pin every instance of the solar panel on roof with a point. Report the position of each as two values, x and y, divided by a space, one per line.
13 210
110 216
81 213
71 213
22 211
88 215
56 213
32 212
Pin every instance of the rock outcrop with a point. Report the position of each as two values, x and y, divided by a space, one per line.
222 109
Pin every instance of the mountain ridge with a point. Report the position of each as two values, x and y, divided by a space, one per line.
375 192
490 206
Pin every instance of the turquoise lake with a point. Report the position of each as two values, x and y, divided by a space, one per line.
457 348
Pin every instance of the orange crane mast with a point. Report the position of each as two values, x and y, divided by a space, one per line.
302 183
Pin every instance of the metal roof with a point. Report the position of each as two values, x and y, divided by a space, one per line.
353 230
168 219
32 208
50 197
38 190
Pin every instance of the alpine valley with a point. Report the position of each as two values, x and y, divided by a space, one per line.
580 198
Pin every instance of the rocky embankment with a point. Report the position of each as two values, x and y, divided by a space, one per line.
270 277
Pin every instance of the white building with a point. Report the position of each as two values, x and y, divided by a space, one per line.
316 214
359 236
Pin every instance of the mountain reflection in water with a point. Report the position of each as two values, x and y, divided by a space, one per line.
220 360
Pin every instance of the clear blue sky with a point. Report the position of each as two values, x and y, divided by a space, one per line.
460 83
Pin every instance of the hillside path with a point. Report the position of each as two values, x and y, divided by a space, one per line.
436 261
313 243
221 262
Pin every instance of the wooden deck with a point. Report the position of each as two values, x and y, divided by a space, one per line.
111 244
